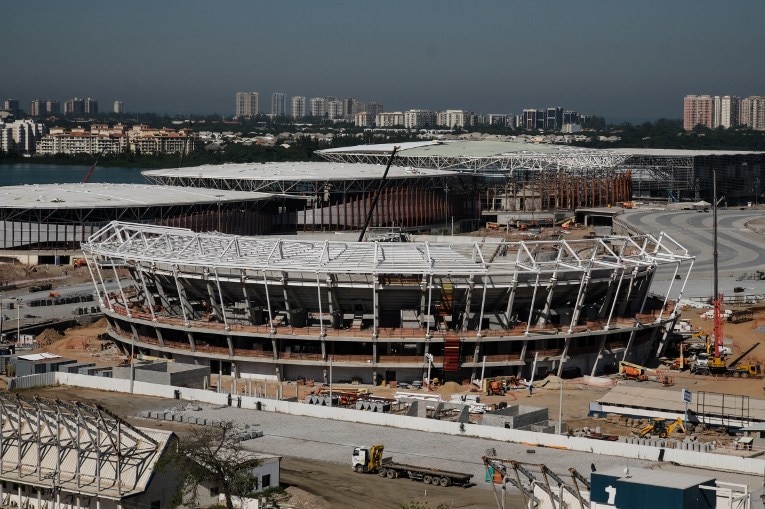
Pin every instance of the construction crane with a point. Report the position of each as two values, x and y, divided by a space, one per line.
372 207
92 168
716 361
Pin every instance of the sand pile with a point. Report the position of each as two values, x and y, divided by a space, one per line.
450 388
48 336
101 323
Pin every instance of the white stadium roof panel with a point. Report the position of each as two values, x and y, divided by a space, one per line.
65 196
292 171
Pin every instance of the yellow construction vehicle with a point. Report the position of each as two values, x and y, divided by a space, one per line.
367 459
676 426
370 460
661 428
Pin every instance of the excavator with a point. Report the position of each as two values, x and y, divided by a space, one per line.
662 429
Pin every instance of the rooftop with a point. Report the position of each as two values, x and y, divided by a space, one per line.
177 245
293 171
671 152
481 148
662 478
101 195
112 459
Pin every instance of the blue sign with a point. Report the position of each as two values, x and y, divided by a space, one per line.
687 395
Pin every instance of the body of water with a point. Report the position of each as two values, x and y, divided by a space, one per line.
31 173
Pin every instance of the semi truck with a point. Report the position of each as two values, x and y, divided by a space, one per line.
369 459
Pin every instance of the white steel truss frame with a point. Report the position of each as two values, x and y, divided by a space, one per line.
74 447
177 246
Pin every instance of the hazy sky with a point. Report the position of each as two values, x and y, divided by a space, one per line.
625 60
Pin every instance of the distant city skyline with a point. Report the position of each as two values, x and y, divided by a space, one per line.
622 61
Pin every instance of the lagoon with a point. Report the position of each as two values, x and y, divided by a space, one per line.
17 174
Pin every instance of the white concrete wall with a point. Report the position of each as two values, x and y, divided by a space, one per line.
688 458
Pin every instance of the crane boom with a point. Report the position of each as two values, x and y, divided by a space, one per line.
372 207
92 168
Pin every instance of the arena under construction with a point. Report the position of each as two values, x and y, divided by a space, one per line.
283 309
561 176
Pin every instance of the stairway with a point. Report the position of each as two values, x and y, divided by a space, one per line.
451 357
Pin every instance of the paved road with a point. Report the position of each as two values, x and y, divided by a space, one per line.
331 441
741 250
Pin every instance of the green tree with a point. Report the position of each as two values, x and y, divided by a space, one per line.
212 456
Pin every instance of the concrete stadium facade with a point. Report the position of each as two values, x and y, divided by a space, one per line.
266 307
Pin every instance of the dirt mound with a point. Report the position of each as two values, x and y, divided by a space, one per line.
48 336
301 499
450 388
101 323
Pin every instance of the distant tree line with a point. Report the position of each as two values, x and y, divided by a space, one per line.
669 133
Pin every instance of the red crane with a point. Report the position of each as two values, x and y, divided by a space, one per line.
92 168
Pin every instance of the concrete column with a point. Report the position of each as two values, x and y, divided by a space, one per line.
468 303
531 306
375 306
212 299
599 355
544 318
511 298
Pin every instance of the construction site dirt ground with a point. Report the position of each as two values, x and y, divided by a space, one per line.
319 484
308 484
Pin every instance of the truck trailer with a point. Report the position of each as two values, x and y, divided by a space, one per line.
370 460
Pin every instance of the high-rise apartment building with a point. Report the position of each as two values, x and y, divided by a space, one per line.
454 118
335 110
753 112
119 107
712 111
698 110
529 119
278 104
417 119
12 106
364 119
74 106
298 107
730 106
20 136
91 106
52 107
374 108
318 107
351 106
390 119
554 119
501 119
37 108
247 104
